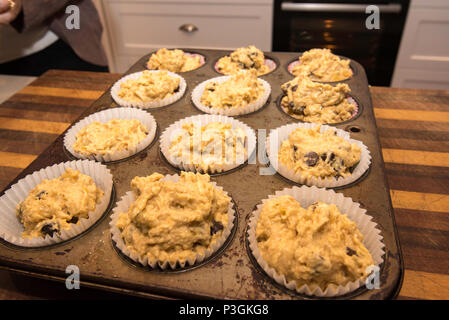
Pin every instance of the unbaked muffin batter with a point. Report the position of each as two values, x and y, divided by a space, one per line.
54 205
315 247
209 146
112 136
317 102
238 91
173 60
316 154
172 221
245 58
322 65
150 86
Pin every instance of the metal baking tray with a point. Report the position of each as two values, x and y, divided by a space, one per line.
231 273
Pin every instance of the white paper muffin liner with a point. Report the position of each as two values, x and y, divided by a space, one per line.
199 89
273 144
150 104
271 64
202 120
306 196
123 205
10 227
191 54
104 116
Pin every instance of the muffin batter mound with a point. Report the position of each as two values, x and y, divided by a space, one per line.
323 65
245 58
150 86
172 221
54 205
316 154
317 102
209 146
317 246
112 136
173 60
238 91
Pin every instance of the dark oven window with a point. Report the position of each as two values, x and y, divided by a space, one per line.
343 30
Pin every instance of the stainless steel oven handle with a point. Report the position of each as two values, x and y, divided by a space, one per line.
334 7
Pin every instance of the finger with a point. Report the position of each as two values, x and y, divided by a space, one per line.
9 16
6 18
4 6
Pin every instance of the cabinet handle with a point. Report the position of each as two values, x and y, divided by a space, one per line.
329 7
189 28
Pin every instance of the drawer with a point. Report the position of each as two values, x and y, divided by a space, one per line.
137 27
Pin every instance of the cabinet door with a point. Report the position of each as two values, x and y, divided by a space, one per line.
138 27
423 59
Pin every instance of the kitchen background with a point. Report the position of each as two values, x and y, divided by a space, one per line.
409 50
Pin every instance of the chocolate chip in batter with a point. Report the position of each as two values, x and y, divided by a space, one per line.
294 88
299 110
351 169
323 156
50 229
40 194
350 252
73 220
311 158
215 227
291 105
177 89
295 148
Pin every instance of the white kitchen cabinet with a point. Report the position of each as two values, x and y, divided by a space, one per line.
135 28
423 58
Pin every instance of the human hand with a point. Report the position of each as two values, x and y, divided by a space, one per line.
9 10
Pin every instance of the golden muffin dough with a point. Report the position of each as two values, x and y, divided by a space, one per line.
316 154
54 205
209 146
112 136
173 60
317 246
238 91
317 102
246 58
150 86
171 221
323 65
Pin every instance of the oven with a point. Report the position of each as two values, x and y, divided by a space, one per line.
341 26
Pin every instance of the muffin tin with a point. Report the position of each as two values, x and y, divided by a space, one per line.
231 273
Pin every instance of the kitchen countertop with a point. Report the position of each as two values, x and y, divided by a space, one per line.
414 134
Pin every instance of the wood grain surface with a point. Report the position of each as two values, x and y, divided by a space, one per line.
414 134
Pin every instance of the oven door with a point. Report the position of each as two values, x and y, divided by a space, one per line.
341 27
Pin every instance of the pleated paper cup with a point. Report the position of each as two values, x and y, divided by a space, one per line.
123 205
273 144
11 228
150 104
202 120
306 196
252 107
104 116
